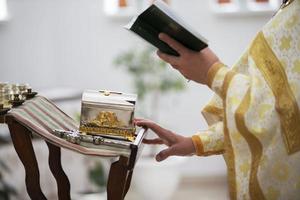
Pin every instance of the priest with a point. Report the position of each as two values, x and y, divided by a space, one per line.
254 116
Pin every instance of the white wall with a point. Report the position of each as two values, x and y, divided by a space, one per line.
50 43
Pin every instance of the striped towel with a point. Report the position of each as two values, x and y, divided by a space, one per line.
41 116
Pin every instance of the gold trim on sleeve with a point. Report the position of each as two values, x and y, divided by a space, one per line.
198 145
229 153
254 145
286 104
200 148
212 72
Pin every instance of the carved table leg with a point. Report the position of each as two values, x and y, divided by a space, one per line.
63 184
128 182
119 176
21 138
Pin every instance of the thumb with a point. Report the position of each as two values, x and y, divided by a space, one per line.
164 154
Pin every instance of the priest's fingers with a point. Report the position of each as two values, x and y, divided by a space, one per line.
153 126
164 154
153 141
172 43
136 120
173 60
142 122
161 132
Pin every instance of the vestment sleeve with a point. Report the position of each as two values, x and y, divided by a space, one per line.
211 141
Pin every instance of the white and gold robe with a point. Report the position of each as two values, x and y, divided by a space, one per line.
254 118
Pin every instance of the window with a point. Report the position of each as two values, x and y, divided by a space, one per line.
3 10
125 8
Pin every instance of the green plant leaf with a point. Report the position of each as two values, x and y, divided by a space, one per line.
149 73
97 175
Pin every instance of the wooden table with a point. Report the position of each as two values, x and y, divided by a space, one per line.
120 171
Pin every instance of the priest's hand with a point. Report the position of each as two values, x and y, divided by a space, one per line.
177 145
191 64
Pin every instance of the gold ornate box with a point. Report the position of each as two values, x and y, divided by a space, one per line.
108 113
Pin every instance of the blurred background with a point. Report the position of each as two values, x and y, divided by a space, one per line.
62 47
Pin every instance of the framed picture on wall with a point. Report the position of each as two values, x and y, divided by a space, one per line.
244 7
224 6
261 5
120 8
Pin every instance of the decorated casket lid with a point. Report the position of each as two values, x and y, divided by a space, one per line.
109 97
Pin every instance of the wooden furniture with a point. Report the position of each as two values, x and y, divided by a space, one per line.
120 172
